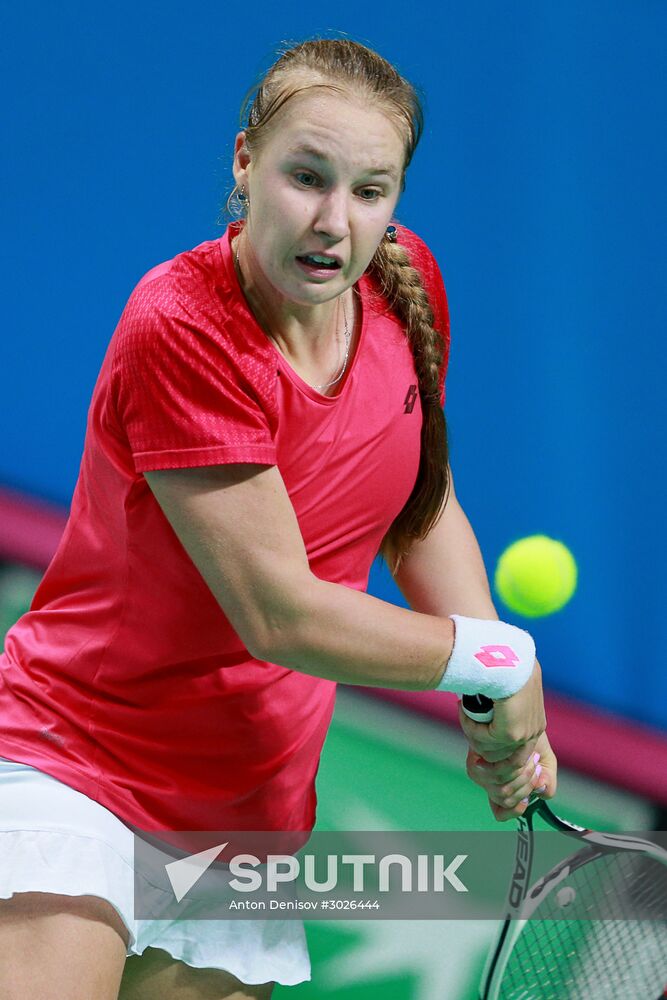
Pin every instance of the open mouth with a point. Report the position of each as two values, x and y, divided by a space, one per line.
320 262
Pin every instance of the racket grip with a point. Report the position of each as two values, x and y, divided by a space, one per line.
477 707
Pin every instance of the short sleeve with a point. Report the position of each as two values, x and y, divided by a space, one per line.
187 392
422 258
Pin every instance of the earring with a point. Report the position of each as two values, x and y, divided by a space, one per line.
243 198
391 233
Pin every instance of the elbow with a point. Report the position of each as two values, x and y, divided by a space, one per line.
274 642
266 641
274 633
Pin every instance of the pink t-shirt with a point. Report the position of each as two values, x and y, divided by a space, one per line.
125 679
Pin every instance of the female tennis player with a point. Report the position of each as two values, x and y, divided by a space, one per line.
268 417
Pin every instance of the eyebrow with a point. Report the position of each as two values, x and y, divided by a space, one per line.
319 155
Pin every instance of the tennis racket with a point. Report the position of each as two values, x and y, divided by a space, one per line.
538 955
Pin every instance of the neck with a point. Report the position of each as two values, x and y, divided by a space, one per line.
310 337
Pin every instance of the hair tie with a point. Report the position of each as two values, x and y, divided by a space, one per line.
430 398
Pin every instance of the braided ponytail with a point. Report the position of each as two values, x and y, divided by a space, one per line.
402 286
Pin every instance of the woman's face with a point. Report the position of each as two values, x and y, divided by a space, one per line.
326 182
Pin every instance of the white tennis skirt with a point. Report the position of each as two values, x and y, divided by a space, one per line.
55 839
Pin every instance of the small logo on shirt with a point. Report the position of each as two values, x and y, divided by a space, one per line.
52 737
410 399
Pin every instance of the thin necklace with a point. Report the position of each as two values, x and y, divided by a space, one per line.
327 385
348 338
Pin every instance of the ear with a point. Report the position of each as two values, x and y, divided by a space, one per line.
241 159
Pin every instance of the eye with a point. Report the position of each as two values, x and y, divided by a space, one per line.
370 194
305 178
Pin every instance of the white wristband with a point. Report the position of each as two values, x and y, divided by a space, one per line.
489 657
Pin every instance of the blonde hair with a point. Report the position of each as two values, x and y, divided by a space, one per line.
344 65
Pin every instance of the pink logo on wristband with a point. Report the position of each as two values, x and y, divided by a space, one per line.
497 656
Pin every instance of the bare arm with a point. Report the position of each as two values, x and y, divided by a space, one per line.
443 575
238 526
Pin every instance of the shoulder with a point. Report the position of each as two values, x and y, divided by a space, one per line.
188 313
420 254
182 282
189 299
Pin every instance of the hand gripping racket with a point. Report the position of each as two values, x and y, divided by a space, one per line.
538 955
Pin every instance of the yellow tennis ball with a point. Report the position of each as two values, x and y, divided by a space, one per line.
536 576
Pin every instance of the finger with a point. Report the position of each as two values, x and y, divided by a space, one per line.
495 755
477 735
510 752
509 797
515 759
504 791
506 771
547 784
502 814
489 738
495 775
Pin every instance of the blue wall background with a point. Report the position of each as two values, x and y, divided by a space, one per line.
539 185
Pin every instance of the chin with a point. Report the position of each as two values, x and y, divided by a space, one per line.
316 294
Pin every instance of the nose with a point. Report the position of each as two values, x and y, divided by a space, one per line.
332 219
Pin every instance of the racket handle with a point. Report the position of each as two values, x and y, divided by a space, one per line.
477 707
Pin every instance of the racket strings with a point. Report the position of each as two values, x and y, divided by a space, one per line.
587 956
595 960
